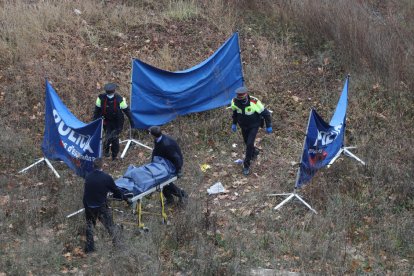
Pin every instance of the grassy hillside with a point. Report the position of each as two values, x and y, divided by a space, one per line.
295 56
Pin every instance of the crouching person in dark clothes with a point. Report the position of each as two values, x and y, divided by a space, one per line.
97 186
166 147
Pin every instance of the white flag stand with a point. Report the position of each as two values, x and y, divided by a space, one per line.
338 119
294 194
345 150
289 197
129 143
43 159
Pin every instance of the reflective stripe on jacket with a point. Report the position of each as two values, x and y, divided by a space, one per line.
249 113
111 109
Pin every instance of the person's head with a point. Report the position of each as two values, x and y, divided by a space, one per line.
98 163
110 88
155 131
241 93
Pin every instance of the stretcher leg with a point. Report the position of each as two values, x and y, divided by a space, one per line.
163 214
139 214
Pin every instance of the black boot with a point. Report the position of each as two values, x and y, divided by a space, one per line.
169 201
256 152
183 199
246 170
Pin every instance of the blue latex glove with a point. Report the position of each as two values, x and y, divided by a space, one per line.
233 128
269 129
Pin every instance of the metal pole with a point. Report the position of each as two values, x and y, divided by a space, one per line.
75 213
241 61
32 165
131 140
50 166
350 154
100 142
301 156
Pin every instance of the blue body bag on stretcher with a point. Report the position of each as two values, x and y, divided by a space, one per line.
137 180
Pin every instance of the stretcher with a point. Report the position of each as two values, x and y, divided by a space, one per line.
136 202
139 182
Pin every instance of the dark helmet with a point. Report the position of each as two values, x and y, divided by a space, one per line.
110 87
98 163
155 131
241 90
241 93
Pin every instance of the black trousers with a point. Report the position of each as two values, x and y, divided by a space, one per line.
171 190
103 214
249 136
111 140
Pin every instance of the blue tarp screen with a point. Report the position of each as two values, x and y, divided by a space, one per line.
68 139
159 96
323 141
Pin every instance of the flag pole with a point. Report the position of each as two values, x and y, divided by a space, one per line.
130 140
100 141
345 150
294 194
303 148
43 159
240 55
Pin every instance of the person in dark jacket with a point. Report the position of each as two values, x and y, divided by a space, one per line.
97 186
248 113
166 147
110 106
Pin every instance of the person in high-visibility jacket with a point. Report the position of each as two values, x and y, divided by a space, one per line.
249 113
109 106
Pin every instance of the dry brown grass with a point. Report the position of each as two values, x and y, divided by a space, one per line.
365 220
375 34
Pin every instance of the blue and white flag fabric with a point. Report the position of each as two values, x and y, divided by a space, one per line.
323 141
68 139
159 96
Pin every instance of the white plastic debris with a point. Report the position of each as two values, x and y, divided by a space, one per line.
78 12
238 161
217 188
234 145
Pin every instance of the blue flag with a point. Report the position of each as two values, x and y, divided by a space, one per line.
323 141
158 96
68 139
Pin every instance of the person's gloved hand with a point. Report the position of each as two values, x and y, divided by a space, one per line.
179 174
269 129
233 127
